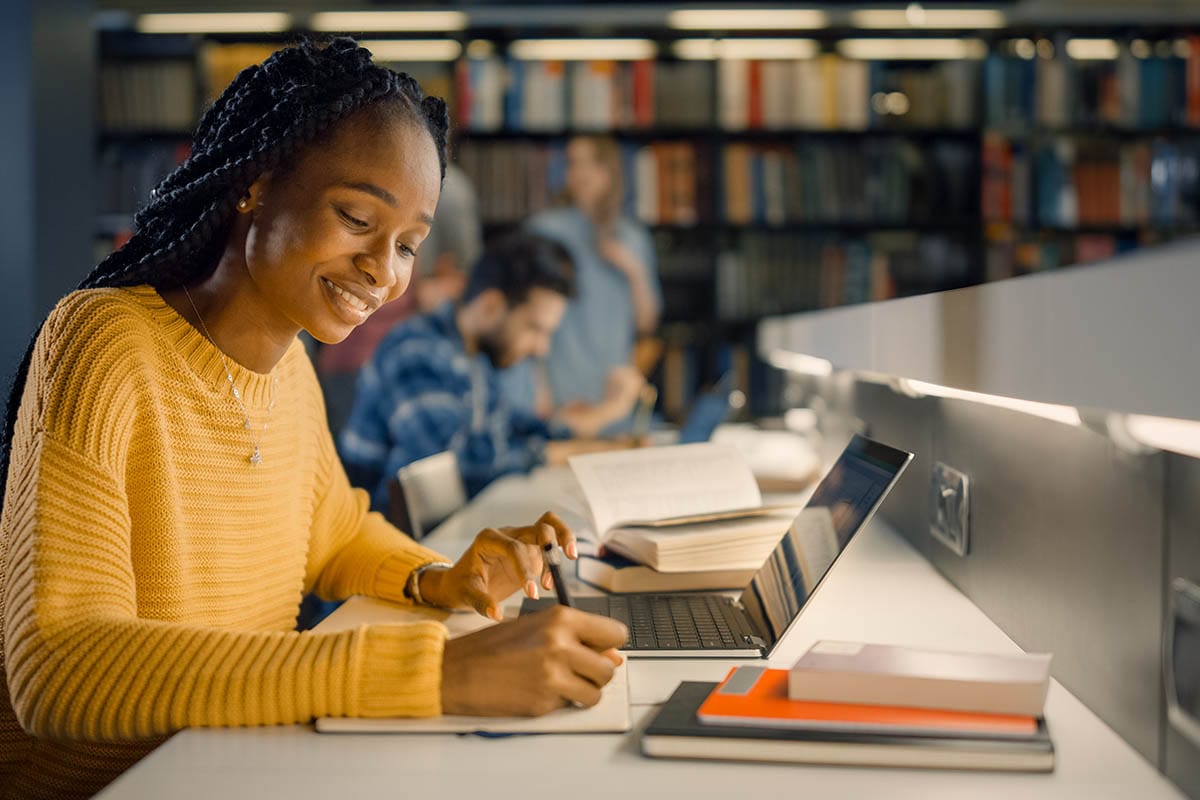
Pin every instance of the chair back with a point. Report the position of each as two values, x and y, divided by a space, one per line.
429 489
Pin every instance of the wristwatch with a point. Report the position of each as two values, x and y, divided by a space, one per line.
412 587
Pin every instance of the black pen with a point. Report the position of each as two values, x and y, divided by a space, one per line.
553 560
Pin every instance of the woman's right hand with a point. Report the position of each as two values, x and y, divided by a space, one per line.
531 665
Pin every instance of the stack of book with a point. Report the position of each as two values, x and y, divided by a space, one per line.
867 705
677 518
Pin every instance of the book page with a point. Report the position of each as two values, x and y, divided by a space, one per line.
657 482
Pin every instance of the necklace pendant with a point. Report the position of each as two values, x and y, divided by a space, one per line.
255 457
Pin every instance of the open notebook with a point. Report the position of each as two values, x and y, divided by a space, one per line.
610 715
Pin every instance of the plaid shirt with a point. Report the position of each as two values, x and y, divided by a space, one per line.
420 394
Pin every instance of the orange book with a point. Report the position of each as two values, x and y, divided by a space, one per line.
1193 82
755 88
758 697
664 158
643 93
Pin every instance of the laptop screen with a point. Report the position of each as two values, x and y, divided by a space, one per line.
710 410
845 499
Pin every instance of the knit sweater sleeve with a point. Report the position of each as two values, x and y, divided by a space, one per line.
82 665
353 550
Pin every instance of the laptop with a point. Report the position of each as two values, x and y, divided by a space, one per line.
709 410
713 625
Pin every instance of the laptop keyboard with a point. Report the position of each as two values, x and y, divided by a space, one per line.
687 622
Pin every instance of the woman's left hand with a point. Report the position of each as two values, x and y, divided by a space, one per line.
498 563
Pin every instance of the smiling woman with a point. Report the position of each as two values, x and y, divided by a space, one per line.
323 243
171 486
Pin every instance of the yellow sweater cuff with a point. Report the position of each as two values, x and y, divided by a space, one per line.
401 671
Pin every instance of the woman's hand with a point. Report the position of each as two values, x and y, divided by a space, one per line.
498 563
532 665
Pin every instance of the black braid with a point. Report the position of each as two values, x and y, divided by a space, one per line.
261 122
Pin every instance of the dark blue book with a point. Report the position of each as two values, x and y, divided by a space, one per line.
514 95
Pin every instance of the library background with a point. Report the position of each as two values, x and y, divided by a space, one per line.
794 160
790 160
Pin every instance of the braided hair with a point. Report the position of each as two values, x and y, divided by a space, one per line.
261 122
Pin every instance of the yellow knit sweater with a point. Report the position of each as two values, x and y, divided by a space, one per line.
150 575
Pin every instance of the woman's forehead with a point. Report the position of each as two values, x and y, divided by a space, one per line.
360 148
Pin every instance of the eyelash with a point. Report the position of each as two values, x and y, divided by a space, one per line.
354 222
359 224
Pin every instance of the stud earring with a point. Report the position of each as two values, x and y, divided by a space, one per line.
243 204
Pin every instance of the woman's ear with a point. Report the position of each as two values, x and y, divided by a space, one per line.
253 198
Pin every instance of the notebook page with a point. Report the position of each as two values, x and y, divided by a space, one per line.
610 715
657 482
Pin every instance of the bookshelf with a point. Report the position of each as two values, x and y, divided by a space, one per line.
891 178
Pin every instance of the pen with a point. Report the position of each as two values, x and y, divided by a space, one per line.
553 559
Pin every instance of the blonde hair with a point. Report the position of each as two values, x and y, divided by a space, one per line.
608 154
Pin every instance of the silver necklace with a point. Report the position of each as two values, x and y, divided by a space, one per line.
256 455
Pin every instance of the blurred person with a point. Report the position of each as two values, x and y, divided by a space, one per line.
453 245
171 485
432 384
618 297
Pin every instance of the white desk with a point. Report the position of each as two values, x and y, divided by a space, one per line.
881 590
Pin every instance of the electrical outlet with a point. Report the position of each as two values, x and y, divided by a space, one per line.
950 505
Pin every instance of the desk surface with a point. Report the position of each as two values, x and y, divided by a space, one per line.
881 590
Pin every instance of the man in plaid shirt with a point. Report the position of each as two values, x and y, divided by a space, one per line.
432 385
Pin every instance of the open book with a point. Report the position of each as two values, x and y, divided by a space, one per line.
682 508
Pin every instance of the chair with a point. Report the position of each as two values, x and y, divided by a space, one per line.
425 492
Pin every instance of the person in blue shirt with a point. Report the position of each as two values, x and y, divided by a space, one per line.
431 385
618 296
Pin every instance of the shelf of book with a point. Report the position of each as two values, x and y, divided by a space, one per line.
886 179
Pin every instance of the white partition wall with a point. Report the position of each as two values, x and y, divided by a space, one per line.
1124 335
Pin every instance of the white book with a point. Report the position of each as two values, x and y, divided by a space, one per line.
853 95
777 94
881 674
733 93
680 508
809 102
646 185
487 111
